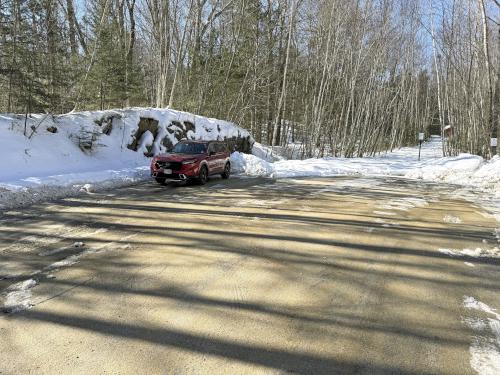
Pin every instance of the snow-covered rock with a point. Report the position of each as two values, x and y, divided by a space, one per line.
92 150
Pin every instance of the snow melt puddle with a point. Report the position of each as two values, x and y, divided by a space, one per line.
476 253
485 346
18 296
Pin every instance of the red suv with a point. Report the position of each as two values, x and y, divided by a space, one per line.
192 160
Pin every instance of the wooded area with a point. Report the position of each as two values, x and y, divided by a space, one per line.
342 77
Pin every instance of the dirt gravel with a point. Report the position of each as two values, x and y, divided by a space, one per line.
309 276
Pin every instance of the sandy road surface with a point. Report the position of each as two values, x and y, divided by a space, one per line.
309 276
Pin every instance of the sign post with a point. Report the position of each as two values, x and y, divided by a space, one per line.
420 140
493 144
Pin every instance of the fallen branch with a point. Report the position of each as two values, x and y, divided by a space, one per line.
34 128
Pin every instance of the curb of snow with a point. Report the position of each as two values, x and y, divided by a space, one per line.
15 195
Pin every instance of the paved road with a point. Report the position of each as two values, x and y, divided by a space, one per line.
308 276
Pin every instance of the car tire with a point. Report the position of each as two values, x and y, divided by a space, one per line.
203 175
160 180
227 171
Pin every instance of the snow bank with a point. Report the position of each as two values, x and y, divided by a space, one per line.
464 169
45 157
266 152
250 165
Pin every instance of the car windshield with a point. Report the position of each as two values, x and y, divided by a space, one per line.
189 148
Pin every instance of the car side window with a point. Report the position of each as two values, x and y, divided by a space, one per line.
211 148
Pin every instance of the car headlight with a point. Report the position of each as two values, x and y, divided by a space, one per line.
188 162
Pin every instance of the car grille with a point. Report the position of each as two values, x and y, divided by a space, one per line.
169 164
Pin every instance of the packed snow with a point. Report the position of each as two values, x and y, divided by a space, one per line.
452 219
18 296
75 258
403 204
76 245
485 347
478 252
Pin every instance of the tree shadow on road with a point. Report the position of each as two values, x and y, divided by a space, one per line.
352 283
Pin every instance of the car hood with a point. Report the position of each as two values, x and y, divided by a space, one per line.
178 157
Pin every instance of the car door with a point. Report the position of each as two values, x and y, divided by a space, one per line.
221 156
212 158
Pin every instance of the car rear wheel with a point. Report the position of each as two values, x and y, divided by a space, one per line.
203 176
227 171
160 180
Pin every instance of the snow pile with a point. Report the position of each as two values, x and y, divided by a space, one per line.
489 170
147 140
18 296
250 165
464 169
44 157
266 153
485 347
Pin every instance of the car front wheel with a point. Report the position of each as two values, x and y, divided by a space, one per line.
203 176
160 180
227 171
